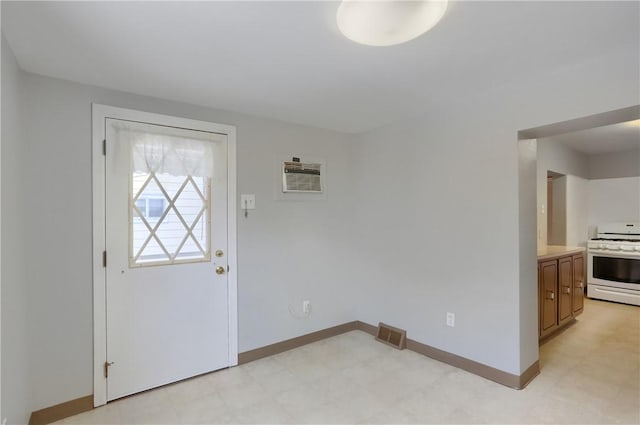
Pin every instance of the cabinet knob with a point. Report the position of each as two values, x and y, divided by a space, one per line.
567 290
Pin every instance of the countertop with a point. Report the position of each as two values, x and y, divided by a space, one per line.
554 251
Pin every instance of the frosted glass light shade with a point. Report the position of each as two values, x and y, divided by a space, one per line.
385 23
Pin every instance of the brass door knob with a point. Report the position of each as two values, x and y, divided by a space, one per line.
220 270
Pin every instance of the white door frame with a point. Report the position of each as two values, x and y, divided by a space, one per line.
99 114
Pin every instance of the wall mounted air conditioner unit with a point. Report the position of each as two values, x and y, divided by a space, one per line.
301 177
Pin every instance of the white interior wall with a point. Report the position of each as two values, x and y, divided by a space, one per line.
15 350
556 157
438 212
288 251
613 200
587 203
577 206
527 247
557 235
562 159
614 188
615 164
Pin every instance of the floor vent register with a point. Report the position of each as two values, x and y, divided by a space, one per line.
394 337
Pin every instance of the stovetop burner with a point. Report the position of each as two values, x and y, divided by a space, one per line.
615 240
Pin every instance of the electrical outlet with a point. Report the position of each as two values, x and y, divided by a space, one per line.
451 319
306 306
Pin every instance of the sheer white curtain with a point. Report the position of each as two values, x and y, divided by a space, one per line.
164 150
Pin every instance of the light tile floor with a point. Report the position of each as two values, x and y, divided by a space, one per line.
590 374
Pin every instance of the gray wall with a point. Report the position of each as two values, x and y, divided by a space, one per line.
14 368
288 251
438 218
615 165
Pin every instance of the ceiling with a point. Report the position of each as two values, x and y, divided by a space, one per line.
288 61
622 137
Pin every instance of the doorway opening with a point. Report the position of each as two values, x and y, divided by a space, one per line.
556 208
568 172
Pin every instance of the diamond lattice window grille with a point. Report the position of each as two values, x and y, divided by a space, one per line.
180 233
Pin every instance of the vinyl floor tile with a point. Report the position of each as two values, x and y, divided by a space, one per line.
590 374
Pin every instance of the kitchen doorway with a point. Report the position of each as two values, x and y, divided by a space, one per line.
533 197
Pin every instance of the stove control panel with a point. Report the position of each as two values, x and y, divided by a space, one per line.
618 239
619 247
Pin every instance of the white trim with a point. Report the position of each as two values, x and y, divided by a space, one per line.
99 114
232 254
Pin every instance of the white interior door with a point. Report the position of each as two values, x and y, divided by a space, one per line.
167 285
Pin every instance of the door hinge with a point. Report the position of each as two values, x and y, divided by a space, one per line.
106 368
104 259
104 147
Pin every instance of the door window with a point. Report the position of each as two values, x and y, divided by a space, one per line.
170 202
170 219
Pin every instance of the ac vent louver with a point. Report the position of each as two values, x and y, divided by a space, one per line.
301 177
394 337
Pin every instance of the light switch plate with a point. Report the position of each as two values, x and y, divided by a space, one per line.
248 202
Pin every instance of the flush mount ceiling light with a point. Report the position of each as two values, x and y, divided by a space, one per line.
388 22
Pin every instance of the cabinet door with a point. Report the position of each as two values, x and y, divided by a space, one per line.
565 275
578 284
547 284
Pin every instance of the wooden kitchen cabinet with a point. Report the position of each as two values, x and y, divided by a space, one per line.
565 284
578 284
560 291
548 284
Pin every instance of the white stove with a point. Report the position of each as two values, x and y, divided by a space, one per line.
613 266
616 245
